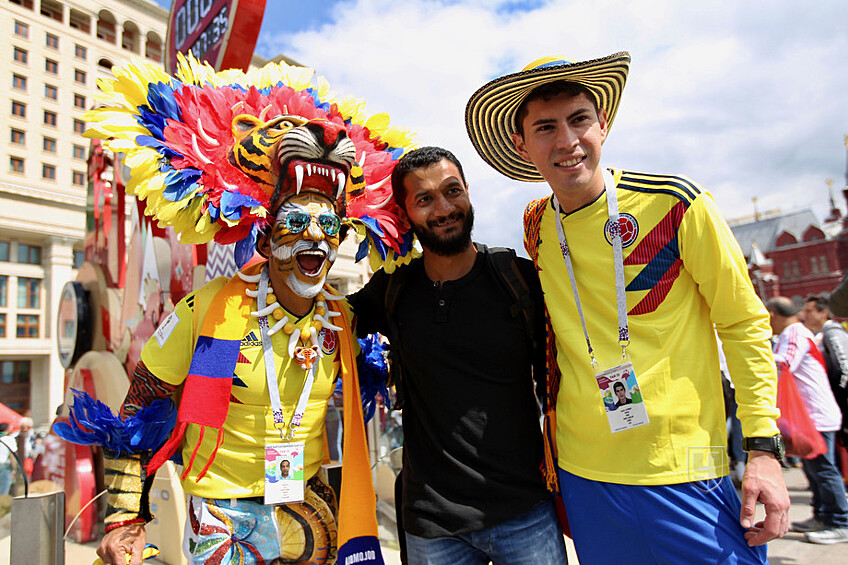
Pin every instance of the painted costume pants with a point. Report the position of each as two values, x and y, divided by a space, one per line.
246 531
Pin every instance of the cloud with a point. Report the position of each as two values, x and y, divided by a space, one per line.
748 98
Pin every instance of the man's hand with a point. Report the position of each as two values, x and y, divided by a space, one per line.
763 482
123 545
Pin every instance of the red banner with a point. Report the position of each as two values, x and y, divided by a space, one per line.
220 32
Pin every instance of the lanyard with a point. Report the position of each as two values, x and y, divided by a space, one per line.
618 264
271 371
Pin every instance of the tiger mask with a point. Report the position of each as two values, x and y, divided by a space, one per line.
289 154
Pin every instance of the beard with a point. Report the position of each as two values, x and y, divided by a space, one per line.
446 245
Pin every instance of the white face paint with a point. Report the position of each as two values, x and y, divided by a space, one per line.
304 258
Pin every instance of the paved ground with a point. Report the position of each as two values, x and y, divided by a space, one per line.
791 550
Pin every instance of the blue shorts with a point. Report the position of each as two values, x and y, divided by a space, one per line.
690 523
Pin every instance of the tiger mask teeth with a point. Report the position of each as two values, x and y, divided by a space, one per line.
327 179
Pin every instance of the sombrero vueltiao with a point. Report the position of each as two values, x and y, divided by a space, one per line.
490 111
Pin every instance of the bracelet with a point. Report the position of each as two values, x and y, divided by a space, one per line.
116 525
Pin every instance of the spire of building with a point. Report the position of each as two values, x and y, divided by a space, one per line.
835 213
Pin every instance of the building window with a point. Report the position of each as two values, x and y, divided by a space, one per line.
51 92
106 31
79 126
796 269
2 325
79 20
48 145
25 3
51 41
16 165
52 10
4 251
79 101
19 82
78 178
79 259
128 41
21 29
18 109
15 379
21 56
814 265
29 254
49 118
4 284
51 67
29 292
48 172
80 52
153 51
18 137
15 375
823 263
27 326
79 152
79 76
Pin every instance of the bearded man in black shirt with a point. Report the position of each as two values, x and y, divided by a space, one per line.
472 489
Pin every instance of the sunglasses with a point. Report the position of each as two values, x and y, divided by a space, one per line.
297 221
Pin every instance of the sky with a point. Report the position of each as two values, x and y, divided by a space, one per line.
749 99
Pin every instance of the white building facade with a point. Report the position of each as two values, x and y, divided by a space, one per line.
52 54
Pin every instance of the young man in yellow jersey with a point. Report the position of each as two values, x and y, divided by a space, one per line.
637 270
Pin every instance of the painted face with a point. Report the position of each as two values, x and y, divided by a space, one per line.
305 242
438 208
562 138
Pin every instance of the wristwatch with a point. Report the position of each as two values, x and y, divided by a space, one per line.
773 444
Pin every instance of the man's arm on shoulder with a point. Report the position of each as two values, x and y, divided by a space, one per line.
368 305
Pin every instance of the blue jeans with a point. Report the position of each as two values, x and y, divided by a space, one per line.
534 538
829 503
5 479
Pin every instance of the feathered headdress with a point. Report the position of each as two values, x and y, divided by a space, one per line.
178 135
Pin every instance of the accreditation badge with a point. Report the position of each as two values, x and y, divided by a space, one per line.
284 472
622 398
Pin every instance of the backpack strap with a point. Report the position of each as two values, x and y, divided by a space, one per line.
503 260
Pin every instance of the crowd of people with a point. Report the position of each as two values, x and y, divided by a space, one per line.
608 332
18 453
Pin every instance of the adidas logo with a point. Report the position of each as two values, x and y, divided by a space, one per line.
251 340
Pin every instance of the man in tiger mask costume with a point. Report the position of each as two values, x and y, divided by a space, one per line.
253 359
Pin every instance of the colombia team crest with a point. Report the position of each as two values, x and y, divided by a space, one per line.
629 229
327 340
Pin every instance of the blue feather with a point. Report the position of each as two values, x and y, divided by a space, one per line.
92 422
162 100
232 203
362 251
373 374
164 150
245 247
179 183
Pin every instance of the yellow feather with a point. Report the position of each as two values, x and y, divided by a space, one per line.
377 123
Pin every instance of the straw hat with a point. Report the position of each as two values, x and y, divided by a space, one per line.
491 110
